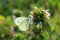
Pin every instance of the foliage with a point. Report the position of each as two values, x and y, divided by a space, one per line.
50 29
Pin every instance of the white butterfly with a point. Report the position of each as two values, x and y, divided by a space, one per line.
23 23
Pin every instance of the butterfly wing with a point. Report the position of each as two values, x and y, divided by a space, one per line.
23 23
18 20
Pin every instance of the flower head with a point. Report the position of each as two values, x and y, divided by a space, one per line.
35 8
40 23
14 11
48 14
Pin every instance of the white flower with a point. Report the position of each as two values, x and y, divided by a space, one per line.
48 14
2 35
40 23
14 11
31 12
12 28
14 17
31 18
35 8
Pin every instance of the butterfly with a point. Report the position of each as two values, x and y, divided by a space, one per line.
22 23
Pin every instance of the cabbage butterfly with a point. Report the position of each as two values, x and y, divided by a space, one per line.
23 23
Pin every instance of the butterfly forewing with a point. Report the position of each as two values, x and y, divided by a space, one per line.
24 25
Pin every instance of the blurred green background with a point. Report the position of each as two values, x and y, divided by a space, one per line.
25 6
